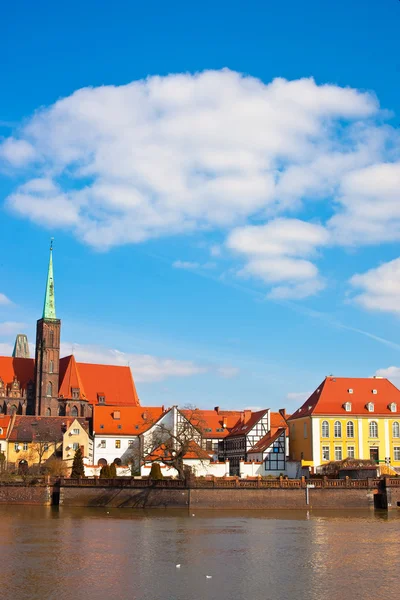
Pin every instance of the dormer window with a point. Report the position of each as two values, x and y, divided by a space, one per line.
374 391
350 390
75 393
347 406
393 407
370 407
101 397
116 414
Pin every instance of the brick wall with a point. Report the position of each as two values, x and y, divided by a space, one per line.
31 494
124 497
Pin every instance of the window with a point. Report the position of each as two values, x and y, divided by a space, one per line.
370 406
396 429
118 443
373 429
325 452
45 446
75 431
338 429
374 391
49 389
1 430
350 390
75 446
396 452
350 429
51 338
338 452
25 446
130 443
325 429
347 406
305 430
75 393
102 400
16 446
393 407
48 412
103 444
74 411
350 452
51 366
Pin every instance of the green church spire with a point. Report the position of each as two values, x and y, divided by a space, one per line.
49 308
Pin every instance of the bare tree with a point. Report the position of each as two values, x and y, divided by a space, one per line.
169 440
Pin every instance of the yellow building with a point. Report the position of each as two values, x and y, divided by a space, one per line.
348 417
77 436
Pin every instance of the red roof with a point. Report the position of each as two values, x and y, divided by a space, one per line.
267 440
114 382
4 422
277 420
70 379
194 452
242 428
125 420
23 368
334 392
211 422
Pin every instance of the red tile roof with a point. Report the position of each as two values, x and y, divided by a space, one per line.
133 420
70 379
163 452
211 422
47 429
4 422
267 440
277 420
329 398
242 428
23 368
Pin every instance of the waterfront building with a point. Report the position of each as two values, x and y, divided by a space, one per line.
270 453
49 386
33 440
4 427
214 425
347 417
76 436
247 433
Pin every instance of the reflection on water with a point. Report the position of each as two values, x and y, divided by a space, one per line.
69 554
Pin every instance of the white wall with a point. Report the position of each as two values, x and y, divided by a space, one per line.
199 468
110 452
94 470
254 469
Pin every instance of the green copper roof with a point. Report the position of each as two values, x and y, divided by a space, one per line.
49 308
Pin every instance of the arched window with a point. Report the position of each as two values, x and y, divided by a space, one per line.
396 429
325 429
74 411
373 429
338 429
51 339
13 409
49 389
350 429
102 462
1 431
48 412
51 367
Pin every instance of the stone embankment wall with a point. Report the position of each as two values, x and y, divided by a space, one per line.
41 495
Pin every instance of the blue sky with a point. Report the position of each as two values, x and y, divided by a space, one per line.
222 182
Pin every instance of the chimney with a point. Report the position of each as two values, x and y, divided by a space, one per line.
246 416
282 412
216 408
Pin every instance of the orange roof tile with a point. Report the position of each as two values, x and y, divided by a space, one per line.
133 420
23 368
194 452
71 379
4 423
277 420
211 423
330 397
114 382
244 427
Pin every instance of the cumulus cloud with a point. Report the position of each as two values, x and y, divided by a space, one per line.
379 288
17 153
145 367
11 327
4 299
276 253
391 373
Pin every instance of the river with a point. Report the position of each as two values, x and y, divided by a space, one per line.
121 554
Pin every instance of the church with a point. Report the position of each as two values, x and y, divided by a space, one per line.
50 386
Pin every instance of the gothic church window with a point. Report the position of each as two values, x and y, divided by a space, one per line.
49 389
74 411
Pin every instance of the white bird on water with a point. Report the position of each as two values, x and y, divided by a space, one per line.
178 566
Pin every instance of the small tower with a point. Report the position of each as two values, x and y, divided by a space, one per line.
21 347
47 357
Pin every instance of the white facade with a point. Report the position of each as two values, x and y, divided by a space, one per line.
115 447
200 468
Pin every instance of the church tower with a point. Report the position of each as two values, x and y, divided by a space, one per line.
47 358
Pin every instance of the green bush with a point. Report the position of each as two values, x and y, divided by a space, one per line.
112 471
155 473
105 472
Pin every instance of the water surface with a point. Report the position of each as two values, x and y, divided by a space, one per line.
121 554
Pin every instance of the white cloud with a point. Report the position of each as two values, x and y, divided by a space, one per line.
380 287
11 327
173 154
275 253
145 367
391 373
4 299
5 349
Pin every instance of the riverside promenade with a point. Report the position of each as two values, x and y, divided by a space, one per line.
203 493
